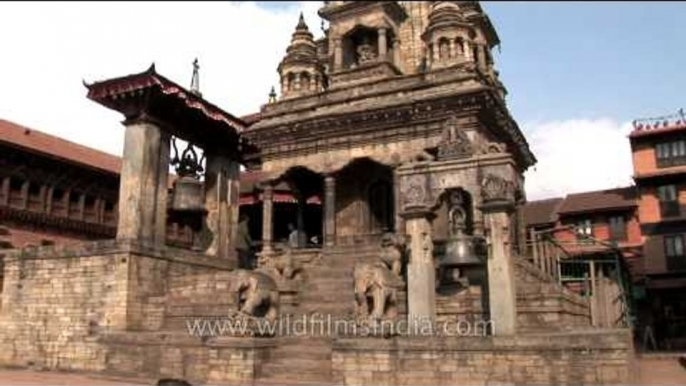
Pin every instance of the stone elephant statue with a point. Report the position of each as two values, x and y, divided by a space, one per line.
257 294
376 281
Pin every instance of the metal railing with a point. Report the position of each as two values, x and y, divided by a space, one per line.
582 263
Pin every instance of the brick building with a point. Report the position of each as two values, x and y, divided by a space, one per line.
53 191
645 222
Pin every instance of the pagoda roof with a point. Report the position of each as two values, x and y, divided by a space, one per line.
180 111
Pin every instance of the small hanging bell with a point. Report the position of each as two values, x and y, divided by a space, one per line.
188 195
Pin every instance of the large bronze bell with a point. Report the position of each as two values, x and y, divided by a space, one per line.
464 250
188 195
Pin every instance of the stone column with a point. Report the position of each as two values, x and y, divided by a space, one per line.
383 44
421 272
329 211
399 220
141 180
221 202
5 191
267 213
435 49
501 276
300 221
481 51
466 48
396 53
337 55
453 53
162 189
42 197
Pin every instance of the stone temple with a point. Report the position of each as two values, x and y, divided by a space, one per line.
396 121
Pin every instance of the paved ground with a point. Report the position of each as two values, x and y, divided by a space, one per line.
653 369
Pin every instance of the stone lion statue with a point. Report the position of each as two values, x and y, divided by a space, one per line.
257 294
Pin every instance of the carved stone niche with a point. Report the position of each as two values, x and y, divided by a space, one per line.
497 189
454 142
415 191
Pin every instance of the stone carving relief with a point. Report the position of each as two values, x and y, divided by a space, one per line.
281 265
496 188
492 148
365 52
256 294
454 142
413 191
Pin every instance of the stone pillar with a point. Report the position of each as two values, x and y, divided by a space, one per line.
300 221
383 44
481 50
396 53
337 54
435 49
466 48
399 220
329 211
501 276
141 180
421 272
221 202
5 191
267 213
162 189
453 53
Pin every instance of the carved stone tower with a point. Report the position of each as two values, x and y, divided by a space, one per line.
300 70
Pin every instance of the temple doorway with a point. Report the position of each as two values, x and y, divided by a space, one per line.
364 200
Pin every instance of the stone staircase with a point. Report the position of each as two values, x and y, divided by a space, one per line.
298 361
327 290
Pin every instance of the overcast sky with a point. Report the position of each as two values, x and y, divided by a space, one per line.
577 73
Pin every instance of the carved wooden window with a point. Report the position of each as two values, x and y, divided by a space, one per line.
671 153
674 252
617 228
669 202
584 230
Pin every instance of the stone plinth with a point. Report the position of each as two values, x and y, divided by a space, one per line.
591 357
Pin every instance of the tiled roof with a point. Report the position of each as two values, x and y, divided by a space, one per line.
610 199
541 212
51 146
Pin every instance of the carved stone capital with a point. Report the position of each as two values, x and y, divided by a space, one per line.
497 190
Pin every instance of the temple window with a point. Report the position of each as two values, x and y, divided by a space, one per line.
109 214
35 200
360 47
290 86
74 210
15 193
305 81
90 210
58 204
443 49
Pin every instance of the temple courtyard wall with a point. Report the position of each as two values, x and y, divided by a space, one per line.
116 307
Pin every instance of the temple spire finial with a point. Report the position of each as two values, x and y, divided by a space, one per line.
195 81
272 96
301 22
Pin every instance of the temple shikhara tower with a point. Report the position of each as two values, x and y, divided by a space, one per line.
404 169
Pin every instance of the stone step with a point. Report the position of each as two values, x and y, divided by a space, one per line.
292 379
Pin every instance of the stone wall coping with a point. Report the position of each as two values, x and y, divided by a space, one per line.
180 339
599 339
103 248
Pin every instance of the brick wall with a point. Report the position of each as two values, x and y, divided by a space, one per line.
565 359
56 301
